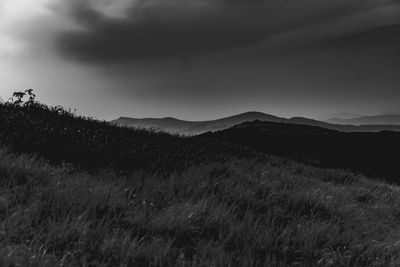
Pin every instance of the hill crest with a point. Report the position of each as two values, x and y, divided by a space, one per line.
173 125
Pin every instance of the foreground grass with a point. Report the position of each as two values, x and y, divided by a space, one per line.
240 213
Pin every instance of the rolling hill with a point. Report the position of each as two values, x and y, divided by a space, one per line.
59 136
374 154
173 125
383 119
143 198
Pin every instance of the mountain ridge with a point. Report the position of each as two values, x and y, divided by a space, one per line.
381 119
177 126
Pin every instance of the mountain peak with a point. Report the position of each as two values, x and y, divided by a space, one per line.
255 113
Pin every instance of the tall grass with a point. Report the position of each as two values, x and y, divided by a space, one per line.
240 213
161 200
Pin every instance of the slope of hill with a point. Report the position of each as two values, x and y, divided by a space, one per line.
277 129
59 136
375 154
393 119
345 127
205 202
173 125
237 213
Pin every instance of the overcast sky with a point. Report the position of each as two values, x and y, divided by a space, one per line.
203 59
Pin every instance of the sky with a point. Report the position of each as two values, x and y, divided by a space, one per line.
203 59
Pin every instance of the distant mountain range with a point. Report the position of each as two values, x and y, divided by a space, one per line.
173 125
383 119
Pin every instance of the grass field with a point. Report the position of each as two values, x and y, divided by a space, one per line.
209 204
240 213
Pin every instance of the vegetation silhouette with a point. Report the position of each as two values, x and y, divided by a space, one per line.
60 136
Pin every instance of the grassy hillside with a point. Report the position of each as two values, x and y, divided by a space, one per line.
374 154
139 198
240 213
59 136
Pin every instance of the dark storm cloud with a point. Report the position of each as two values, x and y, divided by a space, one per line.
156 29
156 32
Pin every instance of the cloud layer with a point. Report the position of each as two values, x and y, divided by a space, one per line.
199 59
164 29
